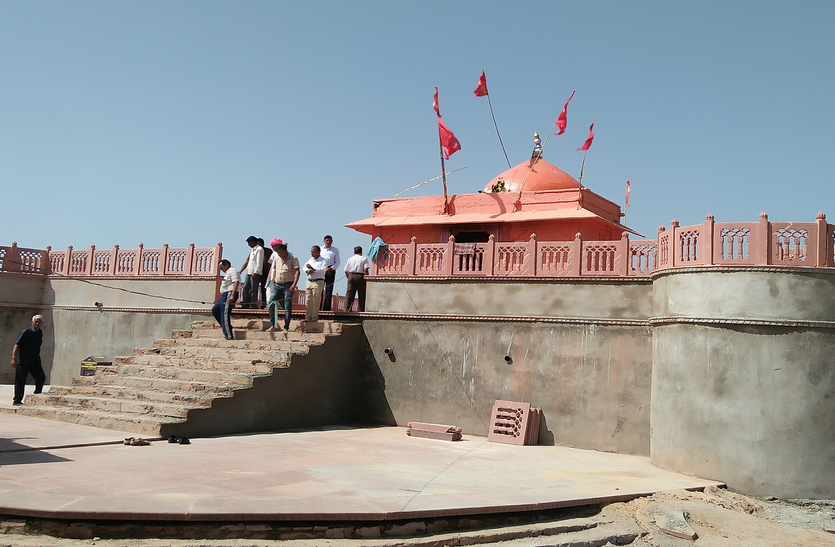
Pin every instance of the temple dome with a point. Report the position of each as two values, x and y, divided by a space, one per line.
545 176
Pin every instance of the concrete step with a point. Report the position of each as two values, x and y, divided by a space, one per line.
296 325
200 399
130 423
271 356
298 348
103 404
251 366
187 374
156 384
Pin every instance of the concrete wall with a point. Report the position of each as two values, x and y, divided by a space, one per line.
20 299
589 369
592 382
151 292
589 298
78 333
743 384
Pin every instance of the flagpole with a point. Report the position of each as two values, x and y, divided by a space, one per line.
518 201
489 102
441 148
582 166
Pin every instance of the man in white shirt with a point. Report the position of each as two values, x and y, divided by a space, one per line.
222 310
331 255
315 269
252 266
356 268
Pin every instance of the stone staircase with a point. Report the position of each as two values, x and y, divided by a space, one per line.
157 390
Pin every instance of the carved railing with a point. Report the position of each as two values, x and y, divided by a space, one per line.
761 243
140 262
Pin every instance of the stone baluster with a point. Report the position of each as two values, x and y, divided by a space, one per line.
162 269
625 255
577 264
411 257
530 257
675 244
114 260
449 257
821 241
91 255
47 268
217 256
189 265
68 261
763 240
137 267
706 241
489 266
12 261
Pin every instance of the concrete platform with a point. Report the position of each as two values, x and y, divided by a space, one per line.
57 470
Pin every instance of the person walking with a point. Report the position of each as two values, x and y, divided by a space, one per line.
222 310
356 268
26 359
331 256
265 267
315 269
252 266
285 274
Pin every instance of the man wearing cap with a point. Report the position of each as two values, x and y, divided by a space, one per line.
252 266
315 269
26 359
285 277
331 256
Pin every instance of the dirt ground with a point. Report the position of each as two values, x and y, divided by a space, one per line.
718 517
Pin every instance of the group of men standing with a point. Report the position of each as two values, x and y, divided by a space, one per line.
279 270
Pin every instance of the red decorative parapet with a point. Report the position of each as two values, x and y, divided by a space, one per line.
514 423
761 243
139 262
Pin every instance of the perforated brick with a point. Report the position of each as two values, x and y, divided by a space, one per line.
514 423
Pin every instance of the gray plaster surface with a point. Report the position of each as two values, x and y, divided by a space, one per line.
340 472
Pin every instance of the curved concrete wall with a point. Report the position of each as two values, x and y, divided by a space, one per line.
743 379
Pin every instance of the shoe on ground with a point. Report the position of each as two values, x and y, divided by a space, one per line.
17 403
184 440
173 439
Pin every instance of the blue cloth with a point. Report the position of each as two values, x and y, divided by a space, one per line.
374 250
281 290
222 310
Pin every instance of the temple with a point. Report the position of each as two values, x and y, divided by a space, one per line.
534 197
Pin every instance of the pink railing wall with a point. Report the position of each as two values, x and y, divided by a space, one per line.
189 261
710 243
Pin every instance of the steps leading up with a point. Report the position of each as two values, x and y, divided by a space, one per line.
161 386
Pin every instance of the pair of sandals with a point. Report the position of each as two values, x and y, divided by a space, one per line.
173 439
131 441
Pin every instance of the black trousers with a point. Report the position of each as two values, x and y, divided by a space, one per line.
330 278
250 296
21 371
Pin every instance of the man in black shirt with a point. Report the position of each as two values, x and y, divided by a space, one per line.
26 359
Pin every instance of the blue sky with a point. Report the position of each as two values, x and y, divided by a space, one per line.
179 122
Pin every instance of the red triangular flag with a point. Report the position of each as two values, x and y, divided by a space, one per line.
448 140
587 144
435 104
628 191
562 120
481 90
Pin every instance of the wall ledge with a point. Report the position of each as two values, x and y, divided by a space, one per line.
508 279
719 321
504 319
736 269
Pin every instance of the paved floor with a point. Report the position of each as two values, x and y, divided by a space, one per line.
53 469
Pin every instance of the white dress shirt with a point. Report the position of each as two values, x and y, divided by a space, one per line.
331 255
357 264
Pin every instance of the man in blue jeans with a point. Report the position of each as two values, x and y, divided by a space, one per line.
285 278
222 310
